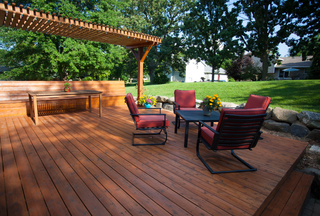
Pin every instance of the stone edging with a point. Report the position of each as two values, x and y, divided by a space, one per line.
304 124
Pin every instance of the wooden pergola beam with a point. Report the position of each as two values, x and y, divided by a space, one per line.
46 23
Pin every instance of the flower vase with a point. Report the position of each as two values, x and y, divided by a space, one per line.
147 105
206 111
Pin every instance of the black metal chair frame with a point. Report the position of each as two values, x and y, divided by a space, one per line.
179 119
149 128
236 122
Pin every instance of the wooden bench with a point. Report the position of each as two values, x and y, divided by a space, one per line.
14 98
291 196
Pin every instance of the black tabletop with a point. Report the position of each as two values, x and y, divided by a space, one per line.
195 116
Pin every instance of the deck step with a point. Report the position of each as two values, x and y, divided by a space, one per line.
291 197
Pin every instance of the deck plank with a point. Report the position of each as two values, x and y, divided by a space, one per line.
90 167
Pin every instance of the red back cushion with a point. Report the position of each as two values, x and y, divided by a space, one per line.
185 98
239 112
132 106
256 101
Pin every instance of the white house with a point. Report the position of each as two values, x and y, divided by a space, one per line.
195 70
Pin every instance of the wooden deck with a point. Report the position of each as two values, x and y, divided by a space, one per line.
79 164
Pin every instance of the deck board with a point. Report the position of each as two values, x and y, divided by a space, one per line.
80 164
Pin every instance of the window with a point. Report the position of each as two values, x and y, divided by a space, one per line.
283 74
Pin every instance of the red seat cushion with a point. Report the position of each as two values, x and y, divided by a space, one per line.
185 98
132 106
209 135
190 109
152 121
256 101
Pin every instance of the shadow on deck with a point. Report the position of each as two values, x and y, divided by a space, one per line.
79 164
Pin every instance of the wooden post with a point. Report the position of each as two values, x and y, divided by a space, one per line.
140 72
140 59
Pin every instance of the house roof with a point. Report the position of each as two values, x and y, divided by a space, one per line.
31 20
295 62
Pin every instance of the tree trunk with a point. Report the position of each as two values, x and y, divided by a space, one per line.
265 66
151 74
212 80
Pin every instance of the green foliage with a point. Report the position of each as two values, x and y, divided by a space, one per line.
282 92
211 33
88 78
261 35
161 79
231 80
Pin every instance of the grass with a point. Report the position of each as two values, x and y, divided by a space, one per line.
298 95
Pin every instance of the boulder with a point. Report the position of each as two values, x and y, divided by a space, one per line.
162 99
314 135
159 105
199 103
241 106
171 100
311 119
229 105
284 115
167 106
276 126
135 98
269 113
299 130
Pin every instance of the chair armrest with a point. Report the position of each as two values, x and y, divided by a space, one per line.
175 103
150 108
207 126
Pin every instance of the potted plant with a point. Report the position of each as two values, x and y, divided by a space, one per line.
210 103
147 101
67 87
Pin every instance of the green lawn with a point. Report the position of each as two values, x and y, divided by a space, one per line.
299 95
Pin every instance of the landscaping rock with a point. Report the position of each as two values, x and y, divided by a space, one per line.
299 130
167 106
311 119
269 113
241 106
276 126
159 105
199 103
162 99
315 149
284 115
171 100
229 105
314 135
135 98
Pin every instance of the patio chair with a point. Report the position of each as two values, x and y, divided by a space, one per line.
146 121
184 100
257 101
238 129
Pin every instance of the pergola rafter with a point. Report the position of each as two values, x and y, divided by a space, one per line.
52 24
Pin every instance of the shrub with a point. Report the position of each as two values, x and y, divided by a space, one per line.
231 80
161 79
88 78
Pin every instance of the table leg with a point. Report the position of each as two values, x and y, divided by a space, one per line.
100 105
186 133
35 107
176 124
89 103
30 106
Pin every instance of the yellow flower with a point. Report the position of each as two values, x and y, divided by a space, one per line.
216 95
210 104
220 105
214 98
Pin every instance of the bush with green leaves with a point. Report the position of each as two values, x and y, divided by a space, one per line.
161 79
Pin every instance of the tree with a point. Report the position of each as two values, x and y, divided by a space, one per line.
210 33
306 26
243 69
162 18
43 57
261 35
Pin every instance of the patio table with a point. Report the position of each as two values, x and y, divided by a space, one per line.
194 116
41 94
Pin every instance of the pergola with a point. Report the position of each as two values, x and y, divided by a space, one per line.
52 24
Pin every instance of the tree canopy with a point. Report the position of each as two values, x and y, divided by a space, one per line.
211 33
